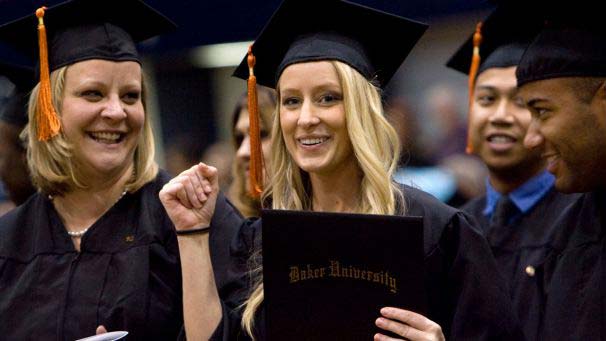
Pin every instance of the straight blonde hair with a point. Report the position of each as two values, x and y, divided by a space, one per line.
51 163
375 145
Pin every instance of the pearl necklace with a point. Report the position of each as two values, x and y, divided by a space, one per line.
78 234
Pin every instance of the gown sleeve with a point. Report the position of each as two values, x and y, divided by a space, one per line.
224 228
476 297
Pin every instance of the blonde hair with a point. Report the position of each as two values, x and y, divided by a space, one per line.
238 193
375 145
51 163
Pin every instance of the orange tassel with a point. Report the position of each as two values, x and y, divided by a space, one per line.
473 71
256 153
48 123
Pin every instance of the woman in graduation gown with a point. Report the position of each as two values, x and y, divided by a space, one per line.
94 246
239 188
333 150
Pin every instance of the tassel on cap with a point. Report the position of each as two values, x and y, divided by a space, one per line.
473 71
256 153
46 117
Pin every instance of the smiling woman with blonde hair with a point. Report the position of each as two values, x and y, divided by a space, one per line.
334 151
93 250
52 166
374 143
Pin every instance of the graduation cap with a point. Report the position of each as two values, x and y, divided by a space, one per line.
12 109
314 30
496 43
502 44
572 43
80 30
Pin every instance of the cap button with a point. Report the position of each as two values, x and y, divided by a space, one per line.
530 271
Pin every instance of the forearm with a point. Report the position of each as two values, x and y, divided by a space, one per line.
201 306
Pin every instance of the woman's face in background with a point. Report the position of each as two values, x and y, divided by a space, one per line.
241 134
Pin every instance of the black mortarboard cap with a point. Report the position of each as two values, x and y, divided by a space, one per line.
572 43
80 30
316 30
12 108
506 33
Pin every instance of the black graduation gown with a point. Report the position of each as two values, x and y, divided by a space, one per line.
224 228
464 292
525 242
574 274
126 276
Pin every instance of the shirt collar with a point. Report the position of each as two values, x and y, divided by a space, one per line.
525 196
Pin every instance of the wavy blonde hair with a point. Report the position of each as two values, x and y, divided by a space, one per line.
51 163
375 145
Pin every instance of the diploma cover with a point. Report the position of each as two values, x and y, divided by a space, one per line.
327 275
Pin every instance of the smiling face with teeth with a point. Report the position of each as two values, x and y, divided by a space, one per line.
312 119
498 122
569 125
102 115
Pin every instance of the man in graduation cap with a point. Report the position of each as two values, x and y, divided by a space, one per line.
13 117
515 213
562 79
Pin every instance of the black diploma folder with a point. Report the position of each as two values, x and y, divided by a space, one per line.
327 275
